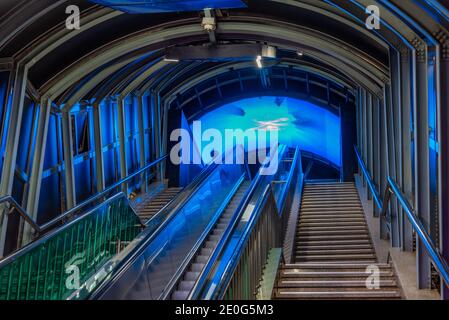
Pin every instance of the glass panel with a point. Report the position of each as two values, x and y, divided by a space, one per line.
168 250
53 267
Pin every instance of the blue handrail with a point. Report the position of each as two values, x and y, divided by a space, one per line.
392 188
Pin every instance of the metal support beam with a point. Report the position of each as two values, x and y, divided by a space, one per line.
122 142
406 136
364 147
35 183
369 136
67 142
12 143
394 148
443 137
384 171
376 149
140 123
98 142
422 179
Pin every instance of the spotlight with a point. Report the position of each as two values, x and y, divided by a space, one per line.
259 62
300 53
171 60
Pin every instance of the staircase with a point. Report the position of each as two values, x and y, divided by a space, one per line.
199 262
334 255
148 207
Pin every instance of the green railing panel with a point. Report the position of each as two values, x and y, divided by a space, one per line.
53 267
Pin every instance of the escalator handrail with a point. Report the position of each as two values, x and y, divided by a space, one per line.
296 163
438 260
39 229
102 194
234 259
226 277
149 234
22 212
204 274
26 249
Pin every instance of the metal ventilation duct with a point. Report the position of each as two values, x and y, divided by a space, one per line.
153 6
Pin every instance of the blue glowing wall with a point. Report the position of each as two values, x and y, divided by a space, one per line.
151 6
300 123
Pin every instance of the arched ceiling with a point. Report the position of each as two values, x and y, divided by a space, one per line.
116 53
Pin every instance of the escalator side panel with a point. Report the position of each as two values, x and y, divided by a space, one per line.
167 250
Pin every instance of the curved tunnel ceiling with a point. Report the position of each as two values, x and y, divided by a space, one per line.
116 53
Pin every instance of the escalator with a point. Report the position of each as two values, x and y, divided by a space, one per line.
169 263
193 271
57 265
149 206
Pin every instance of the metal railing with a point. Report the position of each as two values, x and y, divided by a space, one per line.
154 228
259 230
204 274
41 229
393 189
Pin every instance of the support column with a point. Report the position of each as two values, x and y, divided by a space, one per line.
141 126
98 142
422 179
38 166
406 136
67 141
384 170
348 137
157 134
122 142
12 143
394 146
376 149
443 137
369 137
364 139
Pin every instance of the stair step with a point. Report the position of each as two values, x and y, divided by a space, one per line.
347 283
337 294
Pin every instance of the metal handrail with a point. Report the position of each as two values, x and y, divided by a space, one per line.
204 274
266 196
102 193
23 251
295 162
39 229
392 188
227 275
22 212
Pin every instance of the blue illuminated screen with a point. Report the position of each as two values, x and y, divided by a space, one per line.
300 123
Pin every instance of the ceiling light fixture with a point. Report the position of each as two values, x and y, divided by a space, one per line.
259 62
171 60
